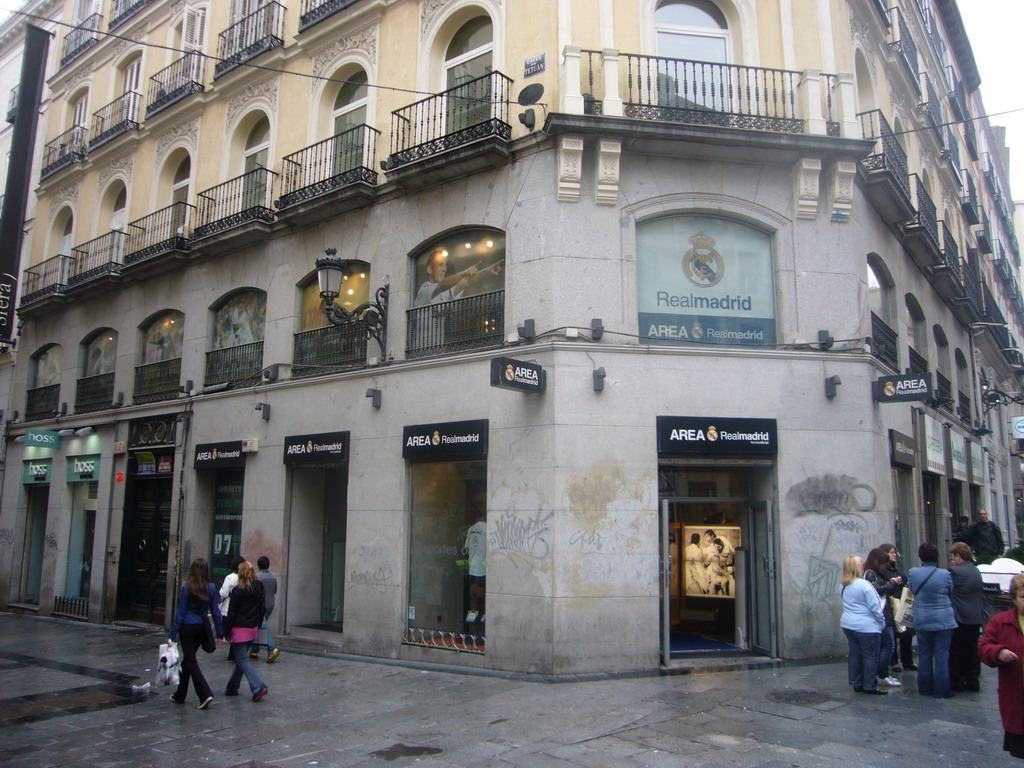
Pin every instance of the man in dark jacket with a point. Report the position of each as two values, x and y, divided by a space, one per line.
269 582
985 538
969 610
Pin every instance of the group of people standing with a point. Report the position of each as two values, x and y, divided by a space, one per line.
238 611
948 616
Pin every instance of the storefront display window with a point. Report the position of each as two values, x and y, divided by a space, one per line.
83 529
227 523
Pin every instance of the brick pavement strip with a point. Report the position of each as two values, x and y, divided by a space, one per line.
68 701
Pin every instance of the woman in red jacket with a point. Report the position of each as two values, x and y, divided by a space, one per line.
1002 646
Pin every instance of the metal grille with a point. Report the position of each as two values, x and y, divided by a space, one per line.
904 44
75 607
94 393
122 10
453 326
950 251
918 362
944 387
972 290
44 279
964 406
102 256
324 350
120 115
927 217
318 10
330 164
41 402
237 201
889 155
462 642
160 232
182 78
883 342
705 93
66 149
239 365
80 39
260 31
157 381
475 110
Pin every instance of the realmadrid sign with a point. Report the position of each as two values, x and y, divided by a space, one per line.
702 264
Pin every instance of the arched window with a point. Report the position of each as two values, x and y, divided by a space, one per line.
236 340
321 346
865 86
944 372
917 335
880 291
255 155
161 338
66 234
726 292
79 111
117 200
696 30
99 353
44 395
467 60
181 180
47 367
963 385
349 114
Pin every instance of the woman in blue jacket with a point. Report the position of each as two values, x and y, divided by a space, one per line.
934 622
198 595
862 623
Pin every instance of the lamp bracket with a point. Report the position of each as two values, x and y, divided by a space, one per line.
370 316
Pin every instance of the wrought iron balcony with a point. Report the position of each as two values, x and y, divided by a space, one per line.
81 39
944 388
330 164
475 110
918 362
66 149
119 116
122 10
256 33
971 138
45 279
992 313
969 199
702 93
956 95
884 342
983 234
12 104
240 365
41 402
161 232
157 381
96 258
171 84
476 322
964 406
903 43
932 106
885 170
318 10
237 201
971 298
94 393
325 350
921 232
1003 267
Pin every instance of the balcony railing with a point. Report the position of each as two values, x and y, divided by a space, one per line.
927 216
950 250
80 39
969 198
972 288
102 256
883 342
171 84
983 234
122 10
474 110
12 104
94 393
955 94
888 156
971 138
964 406
157 381
237 201
42 402
918 362
165 230
944 388
324 350
932 106
318 10
903 43
330 164
66 149
454 326
238 365
119 116
260 31
703 93
45 279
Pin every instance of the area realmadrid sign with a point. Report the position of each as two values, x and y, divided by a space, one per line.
902 389
508 373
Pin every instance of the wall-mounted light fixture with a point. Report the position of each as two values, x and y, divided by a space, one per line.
596 329
825 340
119 401
527 330
370 316
84 432
374 395
599 377
831 382
265 408
186 388
65 432
271 372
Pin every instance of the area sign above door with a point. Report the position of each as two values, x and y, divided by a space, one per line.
902 389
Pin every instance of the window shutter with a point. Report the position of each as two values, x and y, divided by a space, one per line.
194 29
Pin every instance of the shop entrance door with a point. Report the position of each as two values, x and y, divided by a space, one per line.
142 573
761 579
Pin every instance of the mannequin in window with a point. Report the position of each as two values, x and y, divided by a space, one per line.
439 286
476 553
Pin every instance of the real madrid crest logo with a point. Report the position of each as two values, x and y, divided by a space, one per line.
702 264
213 454
309 446
712 434
436 439
509 373
889 388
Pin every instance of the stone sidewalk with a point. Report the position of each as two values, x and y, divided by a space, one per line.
67 699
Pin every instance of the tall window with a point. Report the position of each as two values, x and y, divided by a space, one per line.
80 111
47 367
119 211
692 29
469 57
917 335
349 113
882 312
162 338
255 155
67 232
100 353
181 180
240 320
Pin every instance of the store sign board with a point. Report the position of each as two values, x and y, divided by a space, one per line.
977 464
42 438
322 448
902 449
83 468
703 435
509 373
227 455
1017 427
934 450
445 440
958 451
902 389
36 471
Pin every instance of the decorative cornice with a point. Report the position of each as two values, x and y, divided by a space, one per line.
66 195
125 163
83 74
609 151
570 168
364 39
265 89
188 131
131 38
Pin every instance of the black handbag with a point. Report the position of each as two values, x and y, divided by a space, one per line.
209 643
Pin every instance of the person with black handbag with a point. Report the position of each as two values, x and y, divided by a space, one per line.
198 605
245 615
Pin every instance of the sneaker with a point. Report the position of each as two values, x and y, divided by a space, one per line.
258 696
205 702
231 693
912 667
272 656
895 668
176 700
890 681
254 655
876 692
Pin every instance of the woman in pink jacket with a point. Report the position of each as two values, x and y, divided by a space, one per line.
1002 646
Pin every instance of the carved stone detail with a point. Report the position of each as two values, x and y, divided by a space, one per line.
78 78
609 151
188 131
843 174
364 40
570 168
66 195
430 8
125 163
132 38
806 175
266 89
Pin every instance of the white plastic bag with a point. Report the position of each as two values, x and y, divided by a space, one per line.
168 668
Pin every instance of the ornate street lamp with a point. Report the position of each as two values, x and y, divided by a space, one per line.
371 316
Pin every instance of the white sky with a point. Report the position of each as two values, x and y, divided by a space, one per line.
994 28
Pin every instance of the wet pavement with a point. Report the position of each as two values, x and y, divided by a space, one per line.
74 694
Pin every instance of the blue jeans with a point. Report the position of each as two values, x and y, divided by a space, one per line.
863 660
933 662
240 655
886 651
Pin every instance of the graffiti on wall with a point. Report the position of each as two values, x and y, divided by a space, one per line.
521 535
